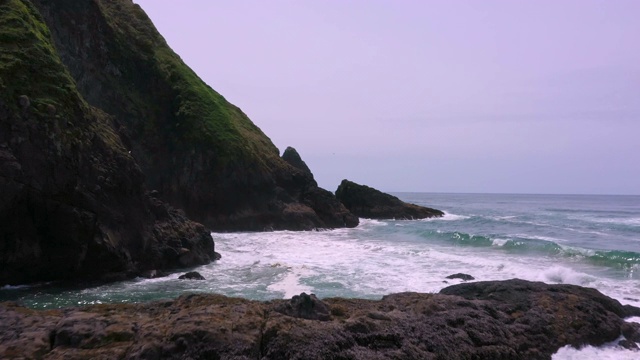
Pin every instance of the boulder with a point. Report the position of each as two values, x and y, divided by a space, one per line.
191 275
367 202
461 276
305 306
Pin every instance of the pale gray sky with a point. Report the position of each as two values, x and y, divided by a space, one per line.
440 96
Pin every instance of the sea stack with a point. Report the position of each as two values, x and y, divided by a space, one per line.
367 202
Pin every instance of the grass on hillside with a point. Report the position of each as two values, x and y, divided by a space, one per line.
29 64
202 117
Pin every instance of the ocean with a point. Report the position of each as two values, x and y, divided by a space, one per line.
587 240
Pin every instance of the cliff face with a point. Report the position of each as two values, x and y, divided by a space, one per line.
73 203
199 152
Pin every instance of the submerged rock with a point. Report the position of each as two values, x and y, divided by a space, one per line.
461 276
370 203
191 275
512 319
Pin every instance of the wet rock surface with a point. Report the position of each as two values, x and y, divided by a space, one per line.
461 276
511 319
305 306
191 275
370 203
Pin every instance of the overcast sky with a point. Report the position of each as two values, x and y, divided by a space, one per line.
437 96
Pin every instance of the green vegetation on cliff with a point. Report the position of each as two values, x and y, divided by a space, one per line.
184 112
200 152
73 202
29 64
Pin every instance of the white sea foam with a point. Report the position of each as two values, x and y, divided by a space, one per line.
371 222
290 283
563 275
499 241
371 264
14 287
607 352
447 217
540 237
616 221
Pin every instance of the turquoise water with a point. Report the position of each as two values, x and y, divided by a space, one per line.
585 240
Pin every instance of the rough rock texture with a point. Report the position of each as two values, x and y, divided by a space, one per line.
291 156
201 153
513 319
191 275
73 203
305 306
370 203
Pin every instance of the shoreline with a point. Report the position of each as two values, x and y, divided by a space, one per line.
486 320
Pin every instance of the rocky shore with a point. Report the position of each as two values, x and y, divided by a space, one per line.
511 319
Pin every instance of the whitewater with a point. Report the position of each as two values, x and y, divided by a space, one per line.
587 240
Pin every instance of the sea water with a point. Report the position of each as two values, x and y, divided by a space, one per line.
587 240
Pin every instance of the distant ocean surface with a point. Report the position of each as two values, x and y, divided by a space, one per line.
588 240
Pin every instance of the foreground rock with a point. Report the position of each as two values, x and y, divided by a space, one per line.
512 319
370 203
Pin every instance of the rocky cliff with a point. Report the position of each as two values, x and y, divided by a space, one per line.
200 152
102 127
73 203
512 319
370 203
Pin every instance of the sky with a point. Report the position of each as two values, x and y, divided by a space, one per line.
430 96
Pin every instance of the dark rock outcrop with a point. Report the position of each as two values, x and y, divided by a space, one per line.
191 275
201 153
461 276
291 156
314 205
304 306
73 202
370 203
512 319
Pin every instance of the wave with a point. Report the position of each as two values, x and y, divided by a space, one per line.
14 287
538 245
372 222
457 238
563 275
616 258
448 217
634 221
